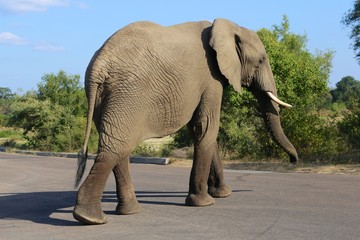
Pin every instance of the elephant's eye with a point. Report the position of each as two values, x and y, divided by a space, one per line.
261 60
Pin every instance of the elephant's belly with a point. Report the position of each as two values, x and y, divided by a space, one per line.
168 119
171 106
154 110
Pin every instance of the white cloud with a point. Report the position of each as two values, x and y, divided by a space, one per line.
11 38
49 48
21 6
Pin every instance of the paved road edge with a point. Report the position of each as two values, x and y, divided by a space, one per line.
133 159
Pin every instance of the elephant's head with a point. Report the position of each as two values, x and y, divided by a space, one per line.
242 59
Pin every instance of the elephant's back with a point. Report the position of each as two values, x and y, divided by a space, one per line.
152 36
142 49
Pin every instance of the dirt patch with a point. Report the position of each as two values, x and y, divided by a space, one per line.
180 162
331 169
279 167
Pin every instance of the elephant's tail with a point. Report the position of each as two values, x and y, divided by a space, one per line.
83 154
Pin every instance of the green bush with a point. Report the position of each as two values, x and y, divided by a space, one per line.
145 151
316 138
350 125
53 118
182 138
50 127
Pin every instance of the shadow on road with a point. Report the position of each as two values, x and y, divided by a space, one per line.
37 206
157 197
147 197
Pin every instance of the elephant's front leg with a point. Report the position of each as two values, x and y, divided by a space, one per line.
198 186
216 183
204 128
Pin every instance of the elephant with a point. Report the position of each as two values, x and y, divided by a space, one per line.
148 81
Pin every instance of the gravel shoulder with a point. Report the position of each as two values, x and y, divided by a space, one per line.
279 167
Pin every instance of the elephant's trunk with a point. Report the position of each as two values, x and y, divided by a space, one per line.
272 121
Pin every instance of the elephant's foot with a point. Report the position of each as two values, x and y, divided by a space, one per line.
199 200
219 192
91 214
129 207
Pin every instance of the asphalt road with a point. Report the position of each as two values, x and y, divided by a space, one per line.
37 198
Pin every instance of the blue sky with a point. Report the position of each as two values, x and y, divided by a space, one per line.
45 36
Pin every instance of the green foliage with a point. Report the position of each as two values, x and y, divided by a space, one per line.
5 133
47 126
346 89
352 19
301 77
5 93
237 133
182 138
65 90
315 137
350 125
346 97
10 133
147 150
6 98
53 118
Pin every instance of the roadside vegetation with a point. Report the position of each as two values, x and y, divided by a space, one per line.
324 124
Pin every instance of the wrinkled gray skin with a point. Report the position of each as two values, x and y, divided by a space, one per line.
148 81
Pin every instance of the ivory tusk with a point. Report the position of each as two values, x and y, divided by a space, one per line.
275 99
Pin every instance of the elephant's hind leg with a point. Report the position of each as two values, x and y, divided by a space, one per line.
88 204
127 202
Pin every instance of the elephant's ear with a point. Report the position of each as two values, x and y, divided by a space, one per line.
223 41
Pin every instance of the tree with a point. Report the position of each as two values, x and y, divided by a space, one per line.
47 126
302 79
63 89
346 89
348 92
6 98
350 125
352 19
5 93
53 118
301 76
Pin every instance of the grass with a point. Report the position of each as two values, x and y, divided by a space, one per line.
10 133
11 137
